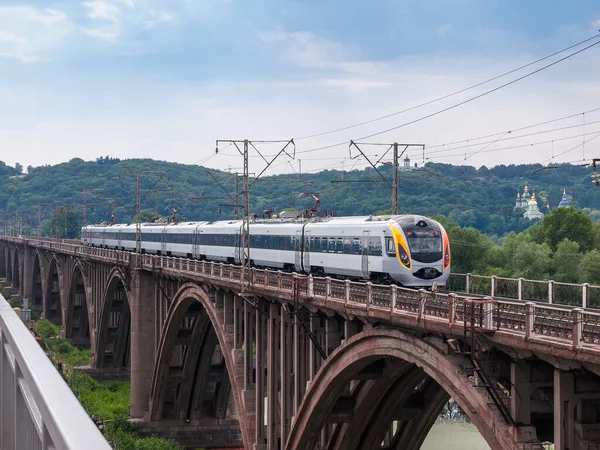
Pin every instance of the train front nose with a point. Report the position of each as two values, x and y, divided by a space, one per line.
427 273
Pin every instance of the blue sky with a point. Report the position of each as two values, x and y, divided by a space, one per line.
165 78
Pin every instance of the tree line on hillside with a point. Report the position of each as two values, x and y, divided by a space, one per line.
481 198
564 247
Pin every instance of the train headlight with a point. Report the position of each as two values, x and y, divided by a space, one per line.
403 256
447 257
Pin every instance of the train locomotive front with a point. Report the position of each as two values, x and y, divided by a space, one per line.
417 250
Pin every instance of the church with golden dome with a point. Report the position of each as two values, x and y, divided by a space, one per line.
529 204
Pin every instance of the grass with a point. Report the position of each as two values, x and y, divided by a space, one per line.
107 402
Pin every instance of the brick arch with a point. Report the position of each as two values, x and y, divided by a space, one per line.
78 316
54 281
439 378
192 300
114 325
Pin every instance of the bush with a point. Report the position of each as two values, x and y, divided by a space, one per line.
47 329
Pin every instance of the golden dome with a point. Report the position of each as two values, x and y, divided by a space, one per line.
533 202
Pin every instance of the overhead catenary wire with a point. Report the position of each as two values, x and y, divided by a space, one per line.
444 97
456 105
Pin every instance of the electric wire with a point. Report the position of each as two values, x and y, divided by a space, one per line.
456 105
387 116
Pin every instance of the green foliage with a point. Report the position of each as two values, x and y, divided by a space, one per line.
16 302
568 223
64 223
566 261
589 267
47 329
105 401
481 198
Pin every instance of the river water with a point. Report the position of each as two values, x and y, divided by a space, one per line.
454 436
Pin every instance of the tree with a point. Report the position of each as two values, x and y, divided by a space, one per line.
566 261
19 168
469 249
568 223
589 268
64 223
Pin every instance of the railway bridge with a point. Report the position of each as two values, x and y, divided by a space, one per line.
286 361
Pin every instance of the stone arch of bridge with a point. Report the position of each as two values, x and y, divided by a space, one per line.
193 347
52 299
3 262
16 281
77 317
9 266
114 325
383 385
37 288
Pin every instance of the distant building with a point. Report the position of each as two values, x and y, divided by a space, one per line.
527 204
406 163
564 201
533 212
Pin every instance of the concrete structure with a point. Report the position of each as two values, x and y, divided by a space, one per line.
298 362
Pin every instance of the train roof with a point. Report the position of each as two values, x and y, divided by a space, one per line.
344 220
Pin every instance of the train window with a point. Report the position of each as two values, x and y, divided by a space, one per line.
331 245
339 245
356 246
390 249
374 247
312 244
347 245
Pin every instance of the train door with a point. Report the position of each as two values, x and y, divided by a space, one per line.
306 252
238 246
365 255
298 250
196 244
163 242
119 237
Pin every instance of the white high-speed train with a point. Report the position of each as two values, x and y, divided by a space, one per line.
410 250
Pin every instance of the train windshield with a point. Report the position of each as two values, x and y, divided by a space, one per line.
424 240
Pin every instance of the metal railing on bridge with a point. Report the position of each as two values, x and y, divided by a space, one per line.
567 321
38 411
584 295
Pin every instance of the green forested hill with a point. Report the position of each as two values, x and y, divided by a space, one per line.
483 198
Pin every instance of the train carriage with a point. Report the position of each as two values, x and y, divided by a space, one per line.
410 250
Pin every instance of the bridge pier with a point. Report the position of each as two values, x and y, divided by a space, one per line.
143 352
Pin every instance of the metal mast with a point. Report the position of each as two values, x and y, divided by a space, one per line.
395 182
245 231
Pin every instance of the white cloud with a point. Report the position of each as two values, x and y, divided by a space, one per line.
102 10
29 34
102 35
304 48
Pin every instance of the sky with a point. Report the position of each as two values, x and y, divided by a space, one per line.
164 79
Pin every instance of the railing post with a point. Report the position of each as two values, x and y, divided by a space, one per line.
520 289
347 282
212 268
221 270
494 282
311 286
529 319
577 327
469 283
550 291
279 279
422 300
369 293
488 314
451 309
394 298
327 287
585 294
